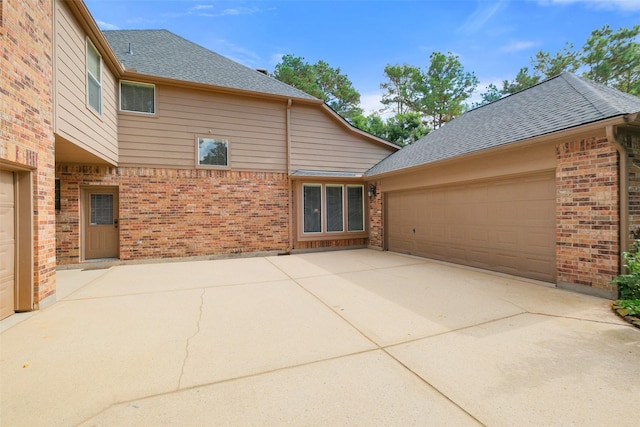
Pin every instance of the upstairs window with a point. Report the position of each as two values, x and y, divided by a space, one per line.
94 78
137 97
212 152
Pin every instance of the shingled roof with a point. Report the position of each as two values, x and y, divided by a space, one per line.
164 54
559 103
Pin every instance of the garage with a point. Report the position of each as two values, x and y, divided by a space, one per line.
7 244
503 224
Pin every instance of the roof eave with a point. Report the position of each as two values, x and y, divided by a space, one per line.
557 135
89 25
130 74
343 122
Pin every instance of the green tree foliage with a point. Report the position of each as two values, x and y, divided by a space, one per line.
608 57
400 87
613 58
401 129
323 82
522 81
564 60
444 88
437 94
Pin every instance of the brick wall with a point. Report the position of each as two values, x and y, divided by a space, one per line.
26 114
376 225
587 215
178 213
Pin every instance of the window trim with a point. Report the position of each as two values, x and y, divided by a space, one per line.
89 75
134 83
215 138
324 234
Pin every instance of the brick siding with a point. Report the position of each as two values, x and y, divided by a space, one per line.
376 225
587 213
631 143
180 213
26 116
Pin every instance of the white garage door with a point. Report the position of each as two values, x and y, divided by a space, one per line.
505 225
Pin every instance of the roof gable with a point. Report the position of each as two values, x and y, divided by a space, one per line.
559 103
161 53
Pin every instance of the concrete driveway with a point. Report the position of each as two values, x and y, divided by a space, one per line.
355 337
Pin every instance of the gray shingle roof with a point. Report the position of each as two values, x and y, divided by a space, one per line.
559 103
163 54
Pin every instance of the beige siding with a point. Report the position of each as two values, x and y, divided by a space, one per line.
319 143
256 130
75 121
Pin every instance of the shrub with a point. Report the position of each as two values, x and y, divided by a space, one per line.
629 283
632 305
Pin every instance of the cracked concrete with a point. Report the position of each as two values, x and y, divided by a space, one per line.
336 338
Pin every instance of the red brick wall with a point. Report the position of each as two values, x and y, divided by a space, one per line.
587 214
178 213
376 225
26 114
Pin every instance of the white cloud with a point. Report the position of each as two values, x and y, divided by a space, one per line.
626 5
230 12
202 7
481 16
518 45
370 104
106 26
234 52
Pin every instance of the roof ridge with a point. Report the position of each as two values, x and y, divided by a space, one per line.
575 80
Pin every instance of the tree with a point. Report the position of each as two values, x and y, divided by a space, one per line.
323 82
443 89
403 129
400 87
522 81
564 60
613 58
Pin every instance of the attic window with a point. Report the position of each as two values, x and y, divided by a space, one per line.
137 97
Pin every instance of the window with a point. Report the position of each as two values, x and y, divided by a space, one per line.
101 209
94 78
137 97
213 152
323 208
355 207
312 208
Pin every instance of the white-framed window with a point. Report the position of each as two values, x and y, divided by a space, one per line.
212 152
94 78
327 208
137 97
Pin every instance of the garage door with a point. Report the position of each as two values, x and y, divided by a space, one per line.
7 244
505 225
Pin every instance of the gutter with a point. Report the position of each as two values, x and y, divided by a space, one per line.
623 191
289 183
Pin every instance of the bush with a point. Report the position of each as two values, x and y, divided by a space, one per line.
632 305
629 283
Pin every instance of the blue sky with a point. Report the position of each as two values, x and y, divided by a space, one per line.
493 39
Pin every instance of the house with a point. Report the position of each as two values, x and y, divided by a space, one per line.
542 184
140 145
137 157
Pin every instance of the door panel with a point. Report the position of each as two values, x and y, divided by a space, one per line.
7 244
100 223
505 225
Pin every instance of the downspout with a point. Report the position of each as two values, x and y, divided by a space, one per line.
623 190
289 183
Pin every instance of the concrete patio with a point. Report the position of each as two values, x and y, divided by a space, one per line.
355 337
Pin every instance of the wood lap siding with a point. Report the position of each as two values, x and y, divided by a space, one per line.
74 120
255 129
319 143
